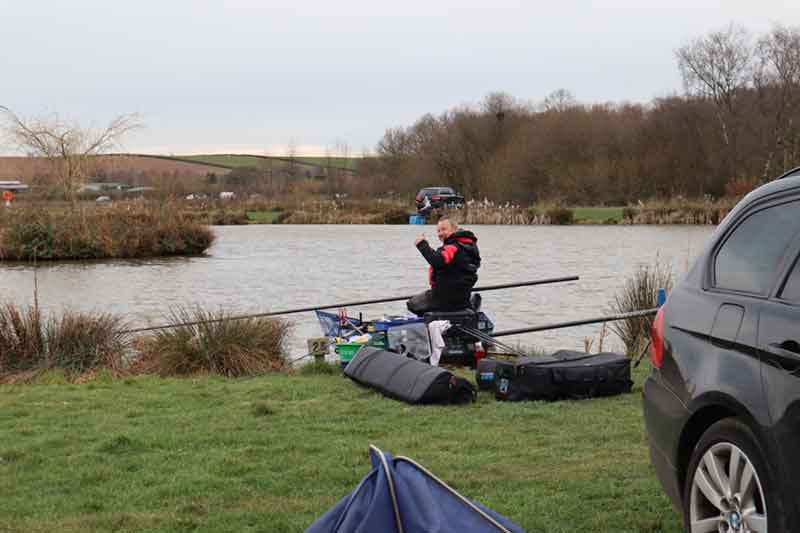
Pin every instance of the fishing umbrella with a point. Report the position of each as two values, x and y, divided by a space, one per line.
400 495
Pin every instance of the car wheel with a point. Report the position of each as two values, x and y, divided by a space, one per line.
729 486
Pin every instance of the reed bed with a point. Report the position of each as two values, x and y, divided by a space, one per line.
679 211
95 232
82 344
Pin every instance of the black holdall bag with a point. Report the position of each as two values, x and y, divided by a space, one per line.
564 375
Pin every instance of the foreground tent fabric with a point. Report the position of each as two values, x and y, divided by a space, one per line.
401 496
407 379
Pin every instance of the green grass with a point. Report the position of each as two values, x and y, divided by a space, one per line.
263 217
274 453
600 214
244 160
349 163
227 160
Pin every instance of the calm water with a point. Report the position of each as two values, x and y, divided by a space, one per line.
266 268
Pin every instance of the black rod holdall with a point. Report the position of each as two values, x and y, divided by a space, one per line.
407 379
564 375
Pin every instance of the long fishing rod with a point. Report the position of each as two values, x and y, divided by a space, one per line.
558 325
349 304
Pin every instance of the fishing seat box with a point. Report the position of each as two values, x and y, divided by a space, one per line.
564 375
459 346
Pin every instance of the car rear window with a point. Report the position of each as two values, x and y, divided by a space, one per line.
748 260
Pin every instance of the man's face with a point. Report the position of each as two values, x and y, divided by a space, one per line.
444 229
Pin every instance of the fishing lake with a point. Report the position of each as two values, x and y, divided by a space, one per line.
260 268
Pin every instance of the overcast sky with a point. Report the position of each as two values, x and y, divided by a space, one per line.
251 76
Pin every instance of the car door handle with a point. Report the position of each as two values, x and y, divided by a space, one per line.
788 349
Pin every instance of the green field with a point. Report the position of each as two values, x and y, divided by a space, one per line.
348 163
599 214
263 217
243 160
274 453
234 161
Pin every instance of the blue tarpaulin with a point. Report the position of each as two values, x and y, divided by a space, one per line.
401 496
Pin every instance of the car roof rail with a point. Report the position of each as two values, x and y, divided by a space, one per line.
792 173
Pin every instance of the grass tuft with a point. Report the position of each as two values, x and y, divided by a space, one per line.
263 409
72 342
639 292
117 445
215 344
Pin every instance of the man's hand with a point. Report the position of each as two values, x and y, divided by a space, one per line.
420 238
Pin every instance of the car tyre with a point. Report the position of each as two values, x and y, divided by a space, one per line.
729 485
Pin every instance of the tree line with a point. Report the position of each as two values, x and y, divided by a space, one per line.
736 123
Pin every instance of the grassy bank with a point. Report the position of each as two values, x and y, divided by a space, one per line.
273 453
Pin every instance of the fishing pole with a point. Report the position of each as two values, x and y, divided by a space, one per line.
558 325
349 304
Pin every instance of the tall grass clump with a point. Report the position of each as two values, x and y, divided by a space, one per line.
97 233
639 292
73 342
214 343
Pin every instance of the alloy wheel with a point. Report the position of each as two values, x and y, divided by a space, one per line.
726 493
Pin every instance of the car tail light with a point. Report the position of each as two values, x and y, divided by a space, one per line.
436 197
657 339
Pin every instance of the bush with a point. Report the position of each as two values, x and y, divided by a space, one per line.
215 343
629 213
281 218
74 342
738 187
639 292
560 215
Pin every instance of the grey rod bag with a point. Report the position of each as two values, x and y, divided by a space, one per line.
407 379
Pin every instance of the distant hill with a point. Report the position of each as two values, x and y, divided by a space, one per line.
24 168
20 167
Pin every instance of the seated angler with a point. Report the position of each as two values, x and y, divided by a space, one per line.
453 269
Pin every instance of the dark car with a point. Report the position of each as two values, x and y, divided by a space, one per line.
439 197
722 402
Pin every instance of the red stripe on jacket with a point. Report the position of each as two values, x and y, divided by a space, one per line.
448 253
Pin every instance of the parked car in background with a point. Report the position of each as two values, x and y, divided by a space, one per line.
439 197
722 402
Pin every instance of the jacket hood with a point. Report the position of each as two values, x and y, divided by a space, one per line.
464 236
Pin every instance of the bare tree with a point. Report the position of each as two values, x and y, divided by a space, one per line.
559 100
67 146
777 80
718 66
291 153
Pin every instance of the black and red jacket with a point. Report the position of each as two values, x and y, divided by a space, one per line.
453 267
